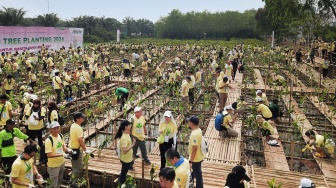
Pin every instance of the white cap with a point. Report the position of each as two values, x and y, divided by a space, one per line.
305 182
177 67
229 107
169 69
33 96
137 109
168 114
54 124
259 91
260 100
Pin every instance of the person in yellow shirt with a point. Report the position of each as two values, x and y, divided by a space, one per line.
228 122
8 84
31 77
171 82
58 86
87 80
168 129
35 121
5 110
198 77
126 148
192 83
76 144
139 132
54 148
68 85
223 87
23 169
167 177
106 70
196 156
266 128
52 112
185 90
322 146
181 167
264 110
262 96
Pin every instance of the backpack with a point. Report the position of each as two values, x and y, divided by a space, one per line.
204 146
43 156
60 119
219 121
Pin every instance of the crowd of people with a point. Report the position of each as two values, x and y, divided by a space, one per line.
80 68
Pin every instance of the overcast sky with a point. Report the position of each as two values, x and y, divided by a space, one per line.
148 9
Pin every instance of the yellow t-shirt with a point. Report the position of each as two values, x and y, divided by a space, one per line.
268 126
182 174
32 77
8 84
219 78
5 112
56 148
265 111
168 128
76 132
227 119
87 77
125 141
185 89
144 65
224 85
40 125
228 70
23 170
198 77
138 127
196 140
57 82
171 77
192 82
67 80
53 116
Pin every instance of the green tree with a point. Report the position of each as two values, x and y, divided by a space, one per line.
47 20
11 16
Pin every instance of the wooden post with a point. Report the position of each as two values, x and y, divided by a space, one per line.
292 156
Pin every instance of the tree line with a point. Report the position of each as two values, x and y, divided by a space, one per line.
311 19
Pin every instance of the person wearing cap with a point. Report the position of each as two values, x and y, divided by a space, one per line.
260 95
228 122
168 129
139 132
167 178
54 151
237 177
306 183
122 94
24 169
5 110
7 146
196 156
178 73
58 86
181 167
322 146
191 87
77 143
266 128
35 113
126 148
264 110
